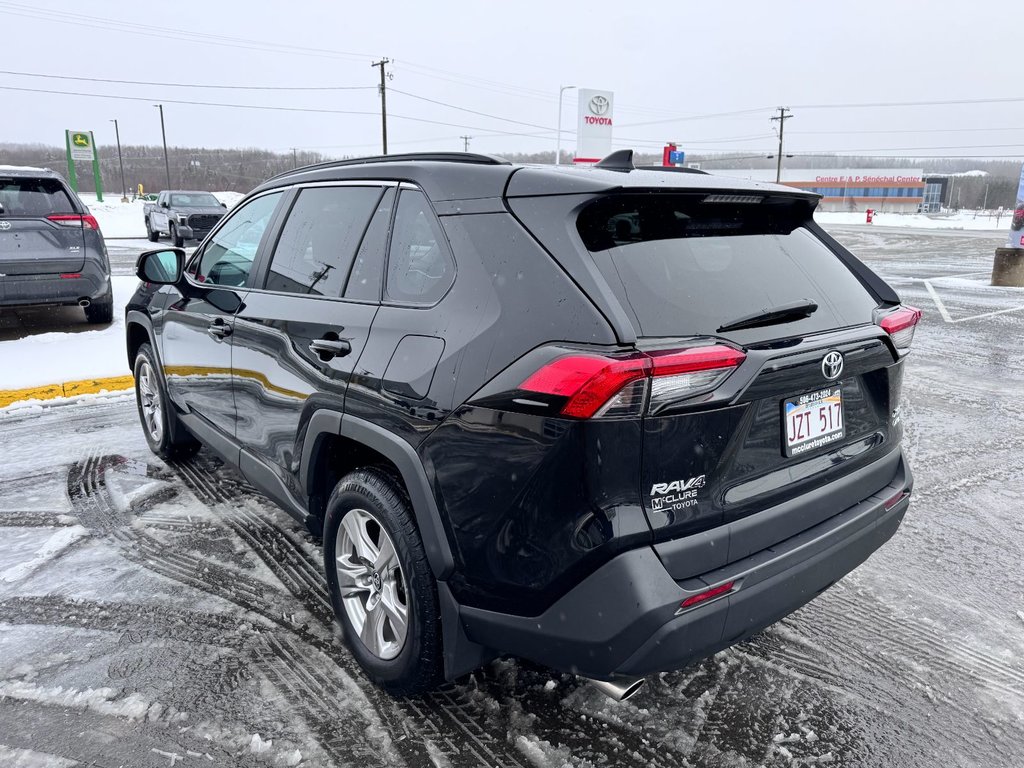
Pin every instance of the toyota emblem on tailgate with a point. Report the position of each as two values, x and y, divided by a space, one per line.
5 225
832 365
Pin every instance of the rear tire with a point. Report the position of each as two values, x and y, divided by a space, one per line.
151 233
178 241
167 437
101 312
382 589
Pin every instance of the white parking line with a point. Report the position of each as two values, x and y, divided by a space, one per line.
942 307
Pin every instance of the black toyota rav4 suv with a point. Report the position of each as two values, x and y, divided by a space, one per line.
608 419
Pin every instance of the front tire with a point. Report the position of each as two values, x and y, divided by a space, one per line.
175 237
382 589
167 437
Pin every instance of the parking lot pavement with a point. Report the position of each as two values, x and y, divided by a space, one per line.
156 615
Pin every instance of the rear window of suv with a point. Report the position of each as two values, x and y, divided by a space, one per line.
33 197
682 266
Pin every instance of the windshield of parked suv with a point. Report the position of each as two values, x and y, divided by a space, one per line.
683 266
33 197
194 200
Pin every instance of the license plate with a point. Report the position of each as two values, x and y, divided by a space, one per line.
813 420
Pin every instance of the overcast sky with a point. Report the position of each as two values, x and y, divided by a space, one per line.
670 64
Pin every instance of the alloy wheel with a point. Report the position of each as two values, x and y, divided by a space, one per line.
371 584
150 402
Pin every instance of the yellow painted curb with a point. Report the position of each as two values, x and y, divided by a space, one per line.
66 389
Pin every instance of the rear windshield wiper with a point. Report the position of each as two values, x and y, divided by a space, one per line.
769 316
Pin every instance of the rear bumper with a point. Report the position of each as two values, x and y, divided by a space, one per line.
622 620
35 290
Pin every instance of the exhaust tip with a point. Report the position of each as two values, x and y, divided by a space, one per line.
84 302
619 689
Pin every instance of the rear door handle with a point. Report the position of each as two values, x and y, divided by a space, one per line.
328 349
218 329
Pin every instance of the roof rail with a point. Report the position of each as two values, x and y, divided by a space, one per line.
671 169
471 158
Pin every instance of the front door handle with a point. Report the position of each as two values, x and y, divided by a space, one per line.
328 349
218 329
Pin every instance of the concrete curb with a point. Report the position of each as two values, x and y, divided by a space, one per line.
66 389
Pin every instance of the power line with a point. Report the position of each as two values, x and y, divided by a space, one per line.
198 85
312 110
904 130
470 111
947 102
685 118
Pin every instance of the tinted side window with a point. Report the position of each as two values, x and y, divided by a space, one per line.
319 239
368 268
420 265
228 256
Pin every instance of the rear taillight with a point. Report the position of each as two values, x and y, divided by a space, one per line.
900 324
604 386
74 220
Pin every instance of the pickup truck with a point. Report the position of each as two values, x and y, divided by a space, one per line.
182 215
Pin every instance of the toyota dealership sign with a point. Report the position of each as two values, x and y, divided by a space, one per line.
594 127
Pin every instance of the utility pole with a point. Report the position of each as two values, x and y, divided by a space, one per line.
295 158
163 133
124 189
558 142
465 142
383 103
782 117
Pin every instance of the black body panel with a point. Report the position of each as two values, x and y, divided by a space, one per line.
569 541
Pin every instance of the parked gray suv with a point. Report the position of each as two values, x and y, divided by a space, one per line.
51 248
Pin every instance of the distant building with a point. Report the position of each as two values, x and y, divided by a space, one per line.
896 190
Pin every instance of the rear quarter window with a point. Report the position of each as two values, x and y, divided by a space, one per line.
684 267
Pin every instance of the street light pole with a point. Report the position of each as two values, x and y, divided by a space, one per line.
163 133
558 144
120 162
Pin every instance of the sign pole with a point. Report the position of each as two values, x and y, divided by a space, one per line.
96 169
72 178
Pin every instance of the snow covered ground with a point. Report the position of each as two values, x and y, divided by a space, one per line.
963 220
119 219
159 615
58 356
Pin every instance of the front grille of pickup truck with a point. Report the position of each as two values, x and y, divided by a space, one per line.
203 221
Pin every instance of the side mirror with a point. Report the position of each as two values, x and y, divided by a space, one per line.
163 267
165 204
223 205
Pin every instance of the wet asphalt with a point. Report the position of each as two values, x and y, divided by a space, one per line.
168 615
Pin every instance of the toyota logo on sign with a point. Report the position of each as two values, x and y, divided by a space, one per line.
5 225
832 365
599 105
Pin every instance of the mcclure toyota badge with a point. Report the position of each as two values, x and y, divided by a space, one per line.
5 225
832 365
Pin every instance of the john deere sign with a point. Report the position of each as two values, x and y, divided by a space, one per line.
82 149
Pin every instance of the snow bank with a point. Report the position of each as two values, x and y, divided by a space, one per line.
119 219
52 358
981 220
